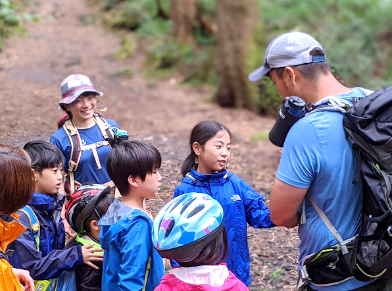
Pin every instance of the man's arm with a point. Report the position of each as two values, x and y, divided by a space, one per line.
284 204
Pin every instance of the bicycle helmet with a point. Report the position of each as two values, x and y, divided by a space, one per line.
185 225
81 205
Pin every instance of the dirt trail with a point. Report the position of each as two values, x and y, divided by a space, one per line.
66 40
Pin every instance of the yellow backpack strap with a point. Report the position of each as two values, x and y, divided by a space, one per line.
147 271
42 285
34 224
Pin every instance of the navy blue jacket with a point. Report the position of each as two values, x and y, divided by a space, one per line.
241 205
51 260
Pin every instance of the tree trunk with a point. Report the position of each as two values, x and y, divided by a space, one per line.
183 15
237 20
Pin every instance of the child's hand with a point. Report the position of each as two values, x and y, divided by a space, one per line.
24 277
69 232
90 256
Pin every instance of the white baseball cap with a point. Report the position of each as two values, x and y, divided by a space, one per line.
289 49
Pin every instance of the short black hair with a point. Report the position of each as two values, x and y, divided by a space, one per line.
99 210
132 158
43 155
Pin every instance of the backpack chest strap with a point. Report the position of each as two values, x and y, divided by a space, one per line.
77 148
93 148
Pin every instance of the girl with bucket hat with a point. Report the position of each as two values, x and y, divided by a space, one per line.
85 139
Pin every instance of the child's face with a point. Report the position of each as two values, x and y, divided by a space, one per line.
49 181
215 154
151 184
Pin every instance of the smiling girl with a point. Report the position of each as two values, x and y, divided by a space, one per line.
79 102
204 171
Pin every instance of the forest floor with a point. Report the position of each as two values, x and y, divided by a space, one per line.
69 39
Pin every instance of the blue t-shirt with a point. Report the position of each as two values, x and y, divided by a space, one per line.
317 156
87 171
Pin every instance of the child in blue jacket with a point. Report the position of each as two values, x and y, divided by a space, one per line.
130 260
204 171
44 256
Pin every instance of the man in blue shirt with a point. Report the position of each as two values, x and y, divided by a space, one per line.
317 160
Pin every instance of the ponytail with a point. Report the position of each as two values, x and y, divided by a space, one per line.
188 164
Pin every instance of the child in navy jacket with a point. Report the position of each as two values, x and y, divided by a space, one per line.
45 257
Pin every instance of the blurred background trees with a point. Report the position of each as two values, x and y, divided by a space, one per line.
11 14
217 43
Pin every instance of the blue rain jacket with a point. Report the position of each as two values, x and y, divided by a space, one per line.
51 259
126 238
241 205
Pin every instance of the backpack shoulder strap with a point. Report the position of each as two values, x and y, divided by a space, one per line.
146 275
77 148
104 127
329 103
34 224
76 152
74 138
365 91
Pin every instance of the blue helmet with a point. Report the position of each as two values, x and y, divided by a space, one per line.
190 220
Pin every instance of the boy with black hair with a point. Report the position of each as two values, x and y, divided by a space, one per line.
130 261
41 252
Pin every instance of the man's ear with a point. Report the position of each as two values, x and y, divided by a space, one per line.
289 76
132 181
196 148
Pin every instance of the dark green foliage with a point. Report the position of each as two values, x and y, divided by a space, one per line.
165 53
356 34
110 4
268 100
198 67
7 13
8 18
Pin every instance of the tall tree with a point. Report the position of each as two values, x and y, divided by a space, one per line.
237 21
183 16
